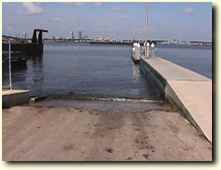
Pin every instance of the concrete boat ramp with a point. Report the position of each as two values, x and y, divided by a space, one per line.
72 130
189 91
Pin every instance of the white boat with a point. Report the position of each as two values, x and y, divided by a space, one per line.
136 52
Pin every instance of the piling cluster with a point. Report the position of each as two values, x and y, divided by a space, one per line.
147 50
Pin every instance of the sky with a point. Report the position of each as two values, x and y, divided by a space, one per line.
182 21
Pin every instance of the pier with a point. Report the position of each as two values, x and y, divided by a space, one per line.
190 92
23 49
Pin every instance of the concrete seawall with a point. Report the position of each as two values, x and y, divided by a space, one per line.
190 92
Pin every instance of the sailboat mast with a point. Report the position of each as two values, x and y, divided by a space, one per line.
146 22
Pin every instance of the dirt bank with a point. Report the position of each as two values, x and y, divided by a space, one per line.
58 130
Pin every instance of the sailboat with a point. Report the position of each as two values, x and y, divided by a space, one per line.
137 50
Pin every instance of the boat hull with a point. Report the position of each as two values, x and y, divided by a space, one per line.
136 61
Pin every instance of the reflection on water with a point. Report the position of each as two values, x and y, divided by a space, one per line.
136 72
18 74
101 71
35 81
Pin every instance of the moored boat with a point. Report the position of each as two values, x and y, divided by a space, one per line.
136 53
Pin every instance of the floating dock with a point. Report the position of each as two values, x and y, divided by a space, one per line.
188 91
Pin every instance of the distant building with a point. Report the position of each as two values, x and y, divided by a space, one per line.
72 35
103 38
200 43
79 35
127 41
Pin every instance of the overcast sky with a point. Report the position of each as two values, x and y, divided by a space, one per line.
183 21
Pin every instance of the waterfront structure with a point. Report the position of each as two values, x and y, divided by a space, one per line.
147 49
21 49
190 92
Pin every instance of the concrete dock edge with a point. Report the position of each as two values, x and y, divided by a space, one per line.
199 113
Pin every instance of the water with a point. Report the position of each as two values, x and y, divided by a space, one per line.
197 60
100 71
84 70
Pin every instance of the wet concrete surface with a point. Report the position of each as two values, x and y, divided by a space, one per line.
74 130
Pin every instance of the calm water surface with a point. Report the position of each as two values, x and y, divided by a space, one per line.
197 60
100 71
103 71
